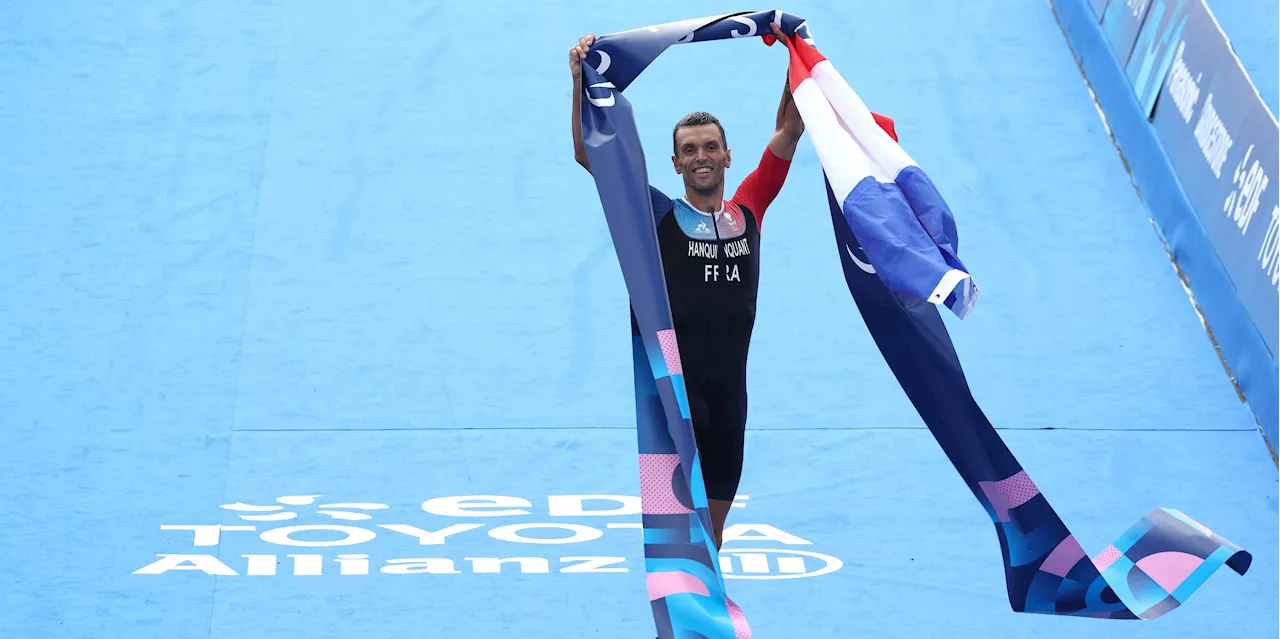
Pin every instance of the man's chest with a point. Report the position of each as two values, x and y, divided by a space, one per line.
726 224
699 248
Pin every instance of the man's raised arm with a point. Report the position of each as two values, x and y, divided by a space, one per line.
576 55
789 126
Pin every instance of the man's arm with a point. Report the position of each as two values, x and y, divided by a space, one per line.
763 184
576 55
789 126
758 190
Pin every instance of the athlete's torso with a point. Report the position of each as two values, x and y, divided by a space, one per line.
712 262
712 267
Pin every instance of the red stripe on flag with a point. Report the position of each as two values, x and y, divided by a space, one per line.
798 71
809 56
886 123
803 58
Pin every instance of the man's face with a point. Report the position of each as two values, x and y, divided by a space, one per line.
701 157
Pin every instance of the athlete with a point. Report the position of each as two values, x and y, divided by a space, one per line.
711 255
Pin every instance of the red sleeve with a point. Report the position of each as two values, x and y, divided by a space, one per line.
762 185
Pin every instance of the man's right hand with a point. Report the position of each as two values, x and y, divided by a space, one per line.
579 53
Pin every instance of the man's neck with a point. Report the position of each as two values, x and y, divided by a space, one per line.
706 203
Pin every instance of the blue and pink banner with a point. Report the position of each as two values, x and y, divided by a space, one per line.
898 244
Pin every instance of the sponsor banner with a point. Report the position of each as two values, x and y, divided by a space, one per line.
1221 140
1195 52
1205 162
1098 7
310 535
1121 21
1226 159
1198 146
1253 221
1163 36
1224 146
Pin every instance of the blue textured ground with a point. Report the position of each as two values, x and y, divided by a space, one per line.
273 249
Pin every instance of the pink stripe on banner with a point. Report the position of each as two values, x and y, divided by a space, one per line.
1060 561
670 352
1108 556
657 497
740 628
663 584
1169 569
1009 493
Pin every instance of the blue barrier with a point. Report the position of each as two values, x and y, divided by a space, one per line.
1202 148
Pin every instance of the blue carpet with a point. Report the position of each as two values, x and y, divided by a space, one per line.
294 250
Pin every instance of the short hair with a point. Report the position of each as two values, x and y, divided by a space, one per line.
697 118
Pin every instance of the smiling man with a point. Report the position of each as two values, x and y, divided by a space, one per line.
711 257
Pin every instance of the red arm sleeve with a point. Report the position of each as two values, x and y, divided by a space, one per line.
762 185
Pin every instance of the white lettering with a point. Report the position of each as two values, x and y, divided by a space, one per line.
593 564
307 565
1184 89
751 27
1212 136
492 565
427 538
353 536
472 505
353 564
737 248
207 535
733 275
512 533
571 505
703 249
739 532
209 564
1243 201
260 565
430 565
1269 254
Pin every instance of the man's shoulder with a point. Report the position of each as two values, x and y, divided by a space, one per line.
661 203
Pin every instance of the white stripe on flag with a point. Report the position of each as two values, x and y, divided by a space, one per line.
842 159
948 282
886 154
877 171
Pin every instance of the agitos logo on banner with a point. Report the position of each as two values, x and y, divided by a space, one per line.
305 536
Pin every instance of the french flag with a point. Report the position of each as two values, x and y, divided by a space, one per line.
906 230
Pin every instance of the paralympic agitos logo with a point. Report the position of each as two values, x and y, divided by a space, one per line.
307 536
